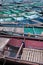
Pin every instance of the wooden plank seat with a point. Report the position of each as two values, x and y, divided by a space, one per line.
32 55
3 42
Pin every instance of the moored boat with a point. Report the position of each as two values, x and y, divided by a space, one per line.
14 50
22 31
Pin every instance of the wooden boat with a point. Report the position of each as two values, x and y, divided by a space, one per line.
26 49
13 14
23 19
23 30
18 50
40 4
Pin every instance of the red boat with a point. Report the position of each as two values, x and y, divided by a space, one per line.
16 46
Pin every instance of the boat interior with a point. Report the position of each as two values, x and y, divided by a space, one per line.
19 50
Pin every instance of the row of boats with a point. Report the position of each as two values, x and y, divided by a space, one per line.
21 34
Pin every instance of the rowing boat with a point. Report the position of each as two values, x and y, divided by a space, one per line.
18 50
21 34
32 30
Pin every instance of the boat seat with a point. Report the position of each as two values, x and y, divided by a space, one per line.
32 55
3 42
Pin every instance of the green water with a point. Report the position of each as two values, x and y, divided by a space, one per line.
38 30
28 30
31 31
1 12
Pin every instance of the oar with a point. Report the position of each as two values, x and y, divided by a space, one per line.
37 21
34 31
